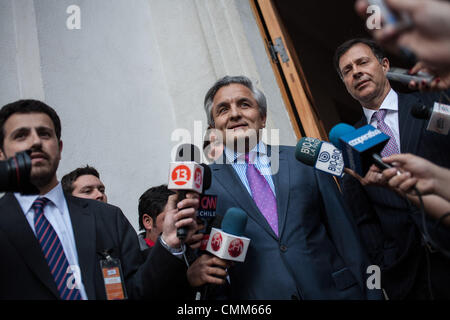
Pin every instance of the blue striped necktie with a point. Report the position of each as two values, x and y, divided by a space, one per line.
53 252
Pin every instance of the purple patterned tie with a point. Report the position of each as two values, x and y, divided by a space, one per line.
391 147
262 195
53 251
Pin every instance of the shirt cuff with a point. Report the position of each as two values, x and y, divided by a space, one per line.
174 251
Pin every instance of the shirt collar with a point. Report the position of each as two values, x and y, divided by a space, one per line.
390 103
260 149
56 196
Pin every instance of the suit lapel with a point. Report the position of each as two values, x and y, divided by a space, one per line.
362 122
231 183
410 128
16 227
83 225
281 182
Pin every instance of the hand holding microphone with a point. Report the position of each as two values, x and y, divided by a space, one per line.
424 184
187 176
195 241
229 243
361 150
441 80
438 116
180 215
226 246
207 269
426 176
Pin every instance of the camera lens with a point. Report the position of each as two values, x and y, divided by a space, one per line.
15 174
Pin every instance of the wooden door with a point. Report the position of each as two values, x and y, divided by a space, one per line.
288 71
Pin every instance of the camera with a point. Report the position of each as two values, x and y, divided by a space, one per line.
15 174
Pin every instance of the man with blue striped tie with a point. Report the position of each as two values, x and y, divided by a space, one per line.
50 243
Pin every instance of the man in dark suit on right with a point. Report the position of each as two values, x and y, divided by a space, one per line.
391 229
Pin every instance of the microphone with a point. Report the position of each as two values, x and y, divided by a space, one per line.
215 222
228 243
360 147
191 153
438 116
187 175
321 155
207 213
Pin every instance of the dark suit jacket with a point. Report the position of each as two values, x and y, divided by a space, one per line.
24 273
390 228
317 255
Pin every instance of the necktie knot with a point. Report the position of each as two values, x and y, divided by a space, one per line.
250 157
39 204
380 114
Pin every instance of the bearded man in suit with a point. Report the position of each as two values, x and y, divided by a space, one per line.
52 243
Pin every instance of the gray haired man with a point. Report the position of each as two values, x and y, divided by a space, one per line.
304 244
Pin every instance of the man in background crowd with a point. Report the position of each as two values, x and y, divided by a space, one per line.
84 183
152 210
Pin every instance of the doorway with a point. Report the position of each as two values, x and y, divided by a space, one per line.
301 37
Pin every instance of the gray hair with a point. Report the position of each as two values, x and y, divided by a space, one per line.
258 95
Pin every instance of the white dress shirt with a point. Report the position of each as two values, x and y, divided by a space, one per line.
390 103
57 214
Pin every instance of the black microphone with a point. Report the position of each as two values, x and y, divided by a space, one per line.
187 175
207 214
321 155
214 222
191 153
438 116
227 241
188 152
421 111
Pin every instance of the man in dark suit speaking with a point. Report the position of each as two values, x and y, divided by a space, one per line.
392 229
303 242
52 244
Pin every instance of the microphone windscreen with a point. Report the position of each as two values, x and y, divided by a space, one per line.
421 111
338 131
307 150
234 221
188 152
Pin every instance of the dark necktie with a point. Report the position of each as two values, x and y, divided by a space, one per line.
53 251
